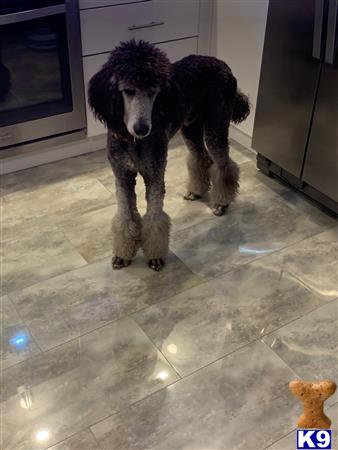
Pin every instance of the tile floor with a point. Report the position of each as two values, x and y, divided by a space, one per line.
195 357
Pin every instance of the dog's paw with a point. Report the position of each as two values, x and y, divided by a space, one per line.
156 264
119 263
219 210
191 196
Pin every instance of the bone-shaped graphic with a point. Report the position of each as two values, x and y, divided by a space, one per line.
313 396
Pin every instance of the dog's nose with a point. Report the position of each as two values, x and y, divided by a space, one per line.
141 129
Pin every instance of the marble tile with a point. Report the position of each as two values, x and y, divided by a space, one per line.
34 252
176 172
246 153
72 304
9 314
106 178
84 440
38 177
240 156
310 344
239 402
59 200
293 198
211 320
183 213
177 151
257 224
90 233
16 341
289 442
78 384
314 262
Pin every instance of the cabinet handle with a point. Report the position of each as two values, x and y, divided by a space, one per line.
146 25
332 39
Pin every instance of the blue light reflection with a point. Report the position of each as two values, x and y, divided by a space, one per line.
19 340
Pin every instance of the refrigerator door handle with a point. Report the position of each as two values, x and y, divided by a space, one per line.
317 29
332 39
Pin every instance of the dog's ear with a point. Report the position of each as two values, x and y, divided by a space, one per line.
104 98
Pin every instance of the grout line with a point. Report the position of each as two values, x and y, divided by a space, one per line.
178 381
280 359
12 293
124 317
203 281
279 250
291 322
284 436
74 434
95 439
157 348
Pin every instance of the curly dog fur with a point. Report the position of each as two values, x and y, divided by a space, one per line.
144 100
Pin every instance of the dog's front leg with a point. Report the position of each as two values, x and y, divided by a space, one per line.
126 225
155 223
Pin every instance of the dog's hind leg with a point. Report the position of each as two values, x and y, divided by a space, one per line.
198 161
126 225
224 172
155 223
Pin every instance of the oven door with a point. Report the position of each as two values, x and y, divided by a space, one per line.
41 76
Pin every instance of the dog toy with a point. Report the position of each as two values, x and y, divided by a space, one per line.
313 396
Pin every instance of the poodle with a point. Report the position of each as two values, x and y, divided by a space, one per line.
144 100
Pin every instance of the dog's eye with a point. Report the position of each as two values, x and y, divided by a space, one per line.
130 92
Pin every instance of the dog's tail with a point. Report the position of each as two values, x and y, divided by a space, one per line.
241 108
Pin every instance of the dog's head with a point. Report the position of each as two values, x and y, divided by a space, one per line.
124 91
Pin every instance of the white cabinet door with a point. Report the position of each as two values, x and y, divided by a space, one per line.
239 40
178 49
92 64
155 21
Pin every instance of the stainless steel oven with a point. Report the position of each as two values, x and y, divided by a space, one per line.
41 76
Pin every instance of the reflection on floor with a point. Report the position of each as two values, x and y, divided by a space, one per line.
195 357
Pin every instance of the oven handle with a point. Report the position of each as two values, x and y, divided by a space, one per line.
31 14
332 41
317 30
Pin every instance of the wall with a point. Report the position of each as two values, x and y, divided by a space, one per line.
238 38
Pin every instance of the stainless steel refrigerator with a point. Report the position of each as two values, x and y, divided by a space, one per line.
296 122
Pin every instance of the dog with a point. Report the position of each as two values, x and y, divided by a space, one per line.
144 100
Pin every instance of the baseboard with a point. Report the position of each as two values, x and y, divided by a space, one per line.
240 137
48 153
